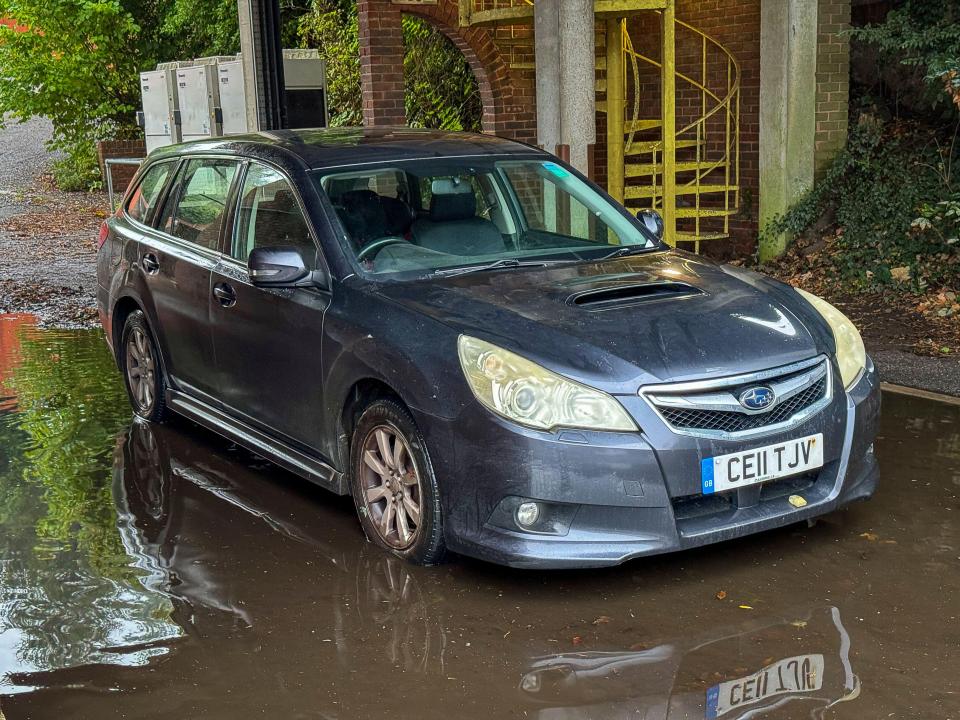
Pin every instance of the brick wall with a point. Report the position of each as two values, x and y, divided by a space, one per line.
833 81
381 62
501 59
122 174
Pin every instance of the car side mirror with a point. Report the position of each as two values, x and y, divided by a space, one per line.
282 267
652 221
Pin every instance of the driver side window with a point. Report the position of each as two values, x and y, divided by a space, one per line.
268 214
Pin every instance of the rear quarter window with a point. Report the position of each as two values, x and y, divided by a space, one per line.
148 191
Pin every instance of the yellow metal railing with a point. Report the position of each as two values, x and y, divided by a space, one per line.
489 12
691 175
697 181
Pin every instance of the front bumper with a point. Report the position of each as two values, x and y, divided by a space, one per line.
610 497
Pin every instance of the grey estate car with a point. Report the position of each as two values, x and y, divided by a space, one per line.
480 346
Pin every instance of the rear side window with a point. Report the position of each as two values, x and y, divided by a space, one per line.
269 214
147 192
198 212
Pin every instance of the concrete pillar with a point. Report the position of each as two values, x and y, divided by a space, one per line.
259 22
788 63
381 63
577 80
546 27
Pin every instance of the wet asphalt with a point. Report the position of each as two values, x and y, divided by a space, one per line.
162 572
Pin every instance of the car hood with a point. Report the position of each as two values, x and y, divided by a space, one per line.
618 324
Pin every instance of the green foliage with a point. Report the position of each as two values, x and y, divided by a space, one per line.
201 28
77 65
332 29
440 88
923 35
71 407
77 169
874 190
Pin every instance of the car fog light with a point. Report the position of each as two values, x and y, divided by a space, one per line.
527 513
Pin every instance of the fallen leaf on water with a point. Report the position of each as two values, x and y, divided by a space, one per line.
577 640
799 623
872 537
602 620
721 595
745 607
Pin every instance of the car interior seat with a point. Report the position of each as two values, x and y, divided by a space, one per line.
452 225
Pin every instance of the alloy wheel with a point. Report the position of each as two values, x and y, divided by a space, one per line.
391 486
141 369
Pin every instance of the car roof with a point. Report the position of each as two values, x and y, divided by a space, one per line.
350 146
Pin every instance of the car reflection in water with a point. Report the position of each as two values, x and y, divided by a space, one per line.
740 672
286 614
184 512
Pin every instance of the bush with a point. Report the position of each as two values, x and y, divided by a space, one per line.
78 169
887 176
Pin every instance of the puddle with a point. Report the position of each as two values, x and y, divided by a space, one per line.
161 571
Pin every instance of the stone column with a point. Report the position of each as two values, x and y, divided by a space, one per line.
381 63
577 80
788 63
546 19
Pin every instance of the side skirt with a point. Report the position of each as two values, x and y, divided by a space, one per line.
310 468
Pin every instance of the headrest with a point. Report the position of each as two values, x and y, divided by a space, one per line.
452 200
283 200
450 186
360 199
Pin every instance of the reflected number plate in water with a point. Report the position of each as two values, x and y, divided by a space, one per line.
798 674
739 469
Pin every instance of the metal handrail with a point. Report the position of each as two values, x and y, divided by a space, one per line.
728 105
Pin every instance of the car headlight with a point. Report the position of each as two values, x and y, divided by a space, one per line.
851 355
524 392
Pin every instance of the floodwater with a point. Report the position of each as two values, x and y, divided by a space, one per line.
161 572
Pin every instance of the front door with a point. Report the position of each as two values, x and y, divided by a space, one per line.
177 258
267 341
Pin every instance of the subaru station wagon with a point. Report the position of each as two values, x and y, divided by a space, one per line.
483 348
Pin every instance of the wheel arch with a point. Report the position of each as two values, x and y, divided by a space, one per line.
360 395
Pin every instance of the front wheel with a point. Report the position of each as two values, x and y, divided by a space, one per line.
393 484
142 370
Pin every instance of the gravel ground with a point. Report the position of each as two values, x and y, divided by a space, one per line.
47 237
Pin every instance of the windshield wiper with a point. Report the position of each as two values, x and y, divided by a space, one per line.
495 265
623 252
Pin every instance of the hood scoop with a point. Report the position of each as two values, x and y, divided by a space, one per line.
627 295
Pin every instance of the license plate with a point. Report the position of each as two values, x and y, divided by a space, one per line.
749 467
798 674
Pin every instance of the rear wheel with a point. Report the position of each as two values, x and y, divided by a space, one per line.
393 484
142 370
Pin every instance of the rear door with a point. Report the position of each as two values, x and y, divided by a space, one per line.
177 258
267 341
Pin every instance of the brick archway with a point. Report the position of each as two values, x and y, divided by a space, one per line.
381 59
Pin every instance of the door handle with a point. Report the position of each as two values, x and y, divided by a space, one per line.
150 264
225 295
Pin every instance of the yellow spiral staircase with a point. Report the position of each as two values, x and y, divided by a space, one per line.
683 160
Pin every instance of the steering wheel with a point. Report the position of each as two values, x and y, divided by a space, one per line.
376 246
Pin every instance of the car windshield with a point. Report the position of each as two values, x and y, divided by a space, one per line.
465 214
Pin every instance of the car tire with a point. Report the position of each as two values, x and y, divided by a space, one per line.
394 486
143 369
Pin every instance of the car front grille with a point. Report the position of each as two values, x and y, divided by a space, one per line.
712 408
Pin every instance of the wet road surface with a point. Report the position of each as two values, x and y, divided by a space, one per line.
161 572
